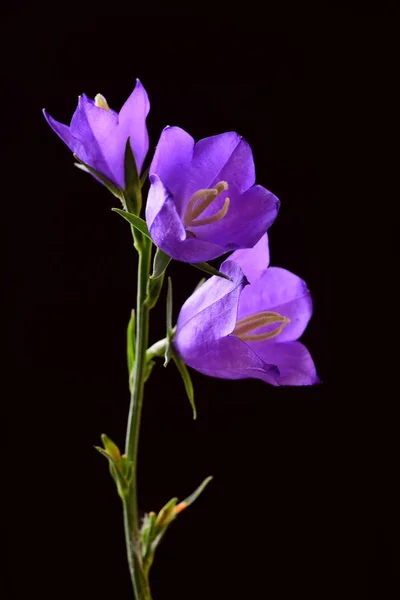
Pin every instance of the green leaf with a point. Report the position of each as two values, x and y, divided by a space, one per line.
160 263
111 448
135 221
203 266
190 499
147 533
148 367
127 468
168 347
116 474
132 193
130 342
118 193
182 368
144 177
154 287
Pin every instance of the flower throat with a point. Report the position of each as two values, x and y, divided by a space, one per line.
201 200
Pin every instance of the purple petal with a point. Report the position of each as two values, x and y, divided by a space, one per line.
185 168
172 157
95 127
224 157
162 218
63 131
296 367
132 123
214 304
280 291
254 261
230 358
248 218
167 230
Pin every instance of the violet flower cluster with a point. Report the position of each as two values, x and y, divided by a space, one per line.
203 203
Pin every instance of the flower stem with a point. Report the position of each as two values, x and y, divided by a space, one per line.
131 517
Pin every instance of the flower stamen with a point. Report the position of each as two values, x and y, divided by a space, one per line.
246 327
201 200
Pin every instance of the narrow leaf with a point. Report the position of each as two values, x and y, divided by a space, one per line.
109 184
132 193
160 263
130 342
148 367
154 287
182 368
135 221
111 448
114 470
203 266
190 499
82 167
144 177
147 533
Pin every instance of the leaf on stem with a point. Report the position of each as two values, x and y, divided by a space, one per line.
144 177
135 221
132 189
118 193
183 370
190 499
203 266
160 263
120 466
130 342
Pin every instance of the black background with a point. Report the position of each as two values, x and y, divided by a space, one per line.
304 499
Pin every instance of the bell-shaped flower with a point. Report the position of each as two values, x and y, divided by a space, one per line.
98 135
249 326
203 201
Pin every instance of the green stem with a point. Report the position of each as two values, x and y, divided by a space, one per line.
131 517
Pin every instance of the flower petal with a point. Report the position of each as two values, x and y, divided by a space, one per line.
162 219
63 131
167 230
280 291
217 299
132 123
254 261
92 126
248 218
172 157
224 157
230 358
296 367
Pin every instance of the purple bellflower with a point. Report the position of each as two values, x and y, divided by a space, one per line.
233 330
202 201
98 135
